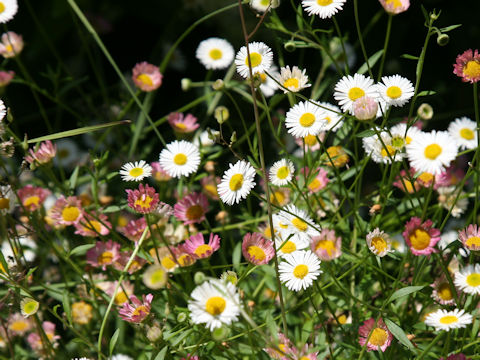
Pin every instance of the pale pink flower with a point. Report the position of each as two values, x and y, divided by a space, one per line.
395 6
93 224
285 349
134 229
36 342
311 141
442 291
43 155
470 237
209 186
456 357
122 260
191 209
103 254
6 77
319 182
144 200
380 337
365 108
138 310
183 124
158 172
147 77
196 247
18 325
125 290
256 249
191 357
67 211
326 245
11 45
468 66
32 197
421 237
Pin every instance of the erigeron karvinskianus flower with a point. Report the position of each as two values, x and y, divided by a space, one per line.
442 291
470 237
138 310
32 197
158 172
215 53
282 350
19 325
67 211
183 124
333 116
299 269
421 237
28 306
11 44
135 228
8 9
451 198
380 336
394 7
81 312
379 242
279 196
146 77
300 225
326 245
256 249
468 279
7 199
180 158
464 131
365 108
268 85
196 246
103 254
395 90
122 261
323 8
93 224
6 77
155 277
135 171
351 88
261 58
36 341
281 172
191 209
43 155
468 66
214 303
264 5
305 118
319 182
144 200
335 156
293 79
237 182
448 320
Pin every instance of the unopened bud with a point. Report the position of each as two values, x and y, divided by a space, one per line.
181 317
221 114
220 333
210 166
186 84
230 276
154 333
233 138
443 39
290 46
218 84
365 108
222 217
199 278
425 111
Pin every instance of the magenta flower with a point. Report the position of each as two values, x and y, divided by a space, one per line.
470 237
395 6
67 211
256 249
93 225
135 228
421 237
191 357
32 197
144 200
196 247
137 311
326 245
147 77
103 254
468 66
380 337
11 45
6 77
456 357
183 124
191 209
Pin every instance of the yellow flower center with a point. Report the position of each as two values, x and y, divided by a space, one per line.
472 69
255 59
300 224
394 92
291 82
158 276
30 307
145 79
342 319
307 119
202 250
432 151
143 202
355 93
283 172
120 298
139 310
215 305
185 260
310 140
277 198
19 326
329 120
265 2
420 239
473 241
444 292
122 221
473 280
300 271
289 247
467 133
9 48
257 252
236 182
181 126
215 54
93 225
168 262
390 151
426 177
4 203
379 244
180 159
263 76
314 184
211 189
324 2
105 258
449 319
70 213
378 337
327 245
194 212
135 172
31 200
2 7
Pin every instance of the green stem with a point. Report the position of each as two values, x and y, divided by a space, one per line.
385 46
477 119
360 37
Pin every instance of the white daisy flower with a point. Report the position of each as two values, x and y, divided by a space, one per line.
268 86
263 5
446 238
68 153
333 116
3 110
28 306
305 119
395 90
379 242
136 171
401 136
155 277
281 172
237 182
299 270
293 80
261 58
468 279
381 152
7 199
464 131
180 158
299 223
8 9
214 303
323 8
289 244
348 89
432 152
215 53
447 320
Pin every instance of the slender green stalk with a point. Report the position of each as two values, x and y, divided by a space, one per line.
385 47
477 120
360 37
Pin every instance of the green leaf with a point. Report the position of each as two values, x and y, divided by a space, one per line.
112 209
450 28
80 250
237 253
113 341
372 60
409 57
399 334
66 305
365 133
161 354
404 292
73 179
426 93
78 131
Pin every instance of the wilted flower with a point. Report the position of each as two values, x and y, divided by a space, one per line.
81 312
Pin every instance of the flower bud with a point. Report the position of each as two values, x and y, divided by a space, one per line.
154 333
199 278
220 333
290 46
233 138
425 111
365 108
181 317
221 114
186 84
230 276
443 39
218 84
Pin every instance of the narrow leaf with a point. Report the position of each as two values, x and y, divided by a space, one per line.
426 93
80 250
161 354
73 179
372 60
66 305
113 341
404 292
399 333
450 28
409 57
365 133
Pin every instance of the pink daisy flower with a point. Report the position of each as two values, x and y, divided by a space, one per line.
135 228
455 357
319 182
421 237
442 292
93 225
103 254
470 237
123 293
32 197
311 141
43 154
209 186
380 336
6 77
196 247
285 348
18 324
191 357
67 211
256 249
395 6
138 310
404 183
36 342
122 260
191 209
11 45
147 77
468 66
144 200
158 172
305 353
326 245
182 124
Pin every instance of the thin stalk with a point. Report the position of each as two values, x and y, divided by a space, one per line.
385 47
477 119
360 37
